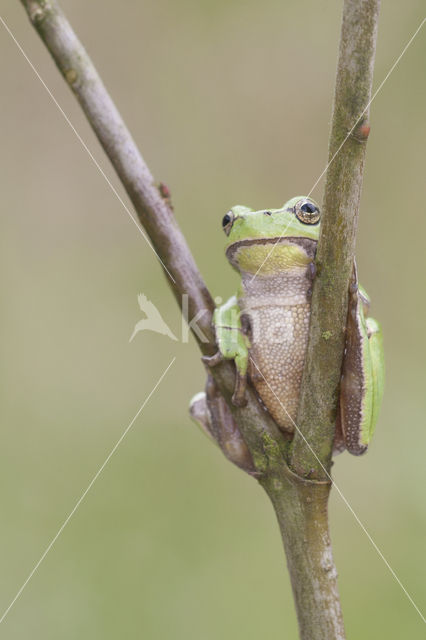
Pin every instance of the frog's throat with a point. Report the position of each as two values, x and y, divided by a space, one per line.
271 255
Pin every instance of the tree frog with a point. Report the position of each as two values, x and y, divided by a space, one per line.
264 328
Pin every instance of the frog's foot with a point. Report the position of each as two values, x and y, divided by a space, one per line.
239 396
311 273
212 361
200 413
210 411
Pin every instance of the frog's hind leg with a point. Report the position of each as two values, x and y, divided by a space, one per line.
361 386
375 341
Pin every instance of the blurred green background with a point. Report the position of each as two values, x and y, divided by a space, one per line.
230 103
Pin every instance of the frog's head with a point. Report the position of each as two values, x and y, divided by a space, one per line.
299 217
251 234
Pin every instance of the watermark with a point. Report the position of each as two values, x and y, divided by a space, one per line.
153 321
279 328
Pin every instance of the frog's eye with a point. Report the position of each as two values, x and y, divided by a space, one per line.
307 212
227 222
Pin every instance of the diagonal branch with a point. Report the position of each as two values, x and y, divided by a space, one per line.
151 205
150 202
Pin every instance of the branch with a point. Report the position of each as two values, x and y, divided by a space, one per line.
301 510
151 205
336 246
300 504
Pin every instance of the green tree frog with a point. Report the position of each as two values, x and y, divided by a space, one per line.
264 329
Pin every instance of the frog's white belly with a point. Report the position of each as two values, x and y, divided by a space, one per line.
279 335
276 302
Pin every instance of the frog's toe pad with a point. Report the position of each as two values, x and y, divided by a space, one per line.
239 400
213 361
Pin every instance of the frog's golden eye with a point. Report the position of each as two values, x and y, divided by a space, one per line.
227 222
307 212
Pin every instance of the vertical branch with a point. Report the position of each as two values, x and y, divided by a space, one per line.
336 246
301 510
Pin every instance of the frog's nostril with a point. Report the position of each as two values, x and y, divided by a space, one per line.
267 213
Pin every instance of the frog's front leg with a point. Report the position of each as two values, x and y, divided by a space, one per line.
362 381
233 344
